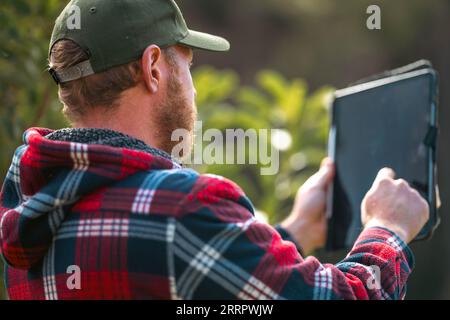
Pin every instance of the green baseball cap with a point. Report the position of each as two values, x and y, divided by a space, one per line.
116 32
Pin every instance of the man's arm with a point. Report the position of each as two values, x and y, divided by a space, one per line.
220 251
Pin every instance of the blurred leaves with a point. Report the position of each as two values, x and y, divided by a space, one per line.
274 102
27 94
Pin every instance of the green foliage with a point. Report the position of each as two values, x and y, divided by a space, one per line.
27 94
273 103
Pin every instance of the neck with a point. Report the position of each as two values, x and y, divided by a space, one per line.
128 117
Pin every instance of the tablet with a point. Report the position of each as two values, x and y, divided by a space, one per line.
389 122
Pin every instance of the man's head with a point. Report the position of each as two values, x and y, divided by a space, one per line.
127 67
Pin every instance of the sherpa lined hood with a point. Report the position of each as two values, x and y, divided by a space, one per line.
50 172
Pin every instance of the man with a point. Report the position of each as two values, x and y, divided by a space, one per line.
102 211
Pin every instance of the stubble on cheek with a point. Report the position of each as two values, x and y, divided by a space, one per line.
177 111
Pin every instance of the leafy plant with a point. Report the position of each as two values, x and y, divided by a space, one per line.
273 103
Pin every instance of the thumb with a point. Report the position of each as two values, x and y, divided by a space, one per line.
385 173
324 176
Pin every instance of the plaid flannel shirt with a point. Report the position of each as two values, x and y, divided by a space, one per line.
139 226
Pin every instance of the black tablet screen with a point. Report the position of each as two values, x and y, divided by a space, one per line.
376 125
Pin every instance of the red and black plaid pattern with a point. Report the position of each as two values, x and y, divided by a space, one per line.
138 226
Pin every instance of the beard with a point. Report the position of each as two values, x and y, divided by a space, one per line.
176 111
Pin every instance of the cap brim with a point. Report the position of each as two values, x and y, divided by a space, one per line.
205 41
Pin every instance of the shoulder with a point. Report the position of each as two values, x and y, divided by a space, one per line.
183 192
203 187
192 182
205 192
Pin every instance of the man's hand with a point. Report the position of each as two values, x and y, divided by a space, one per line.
393 204
307 222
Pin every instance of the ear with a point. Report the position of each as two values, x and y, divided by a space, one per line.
151 67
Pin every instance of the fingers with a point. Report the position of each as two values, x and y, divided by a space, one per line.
326 162
385 173
325 175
